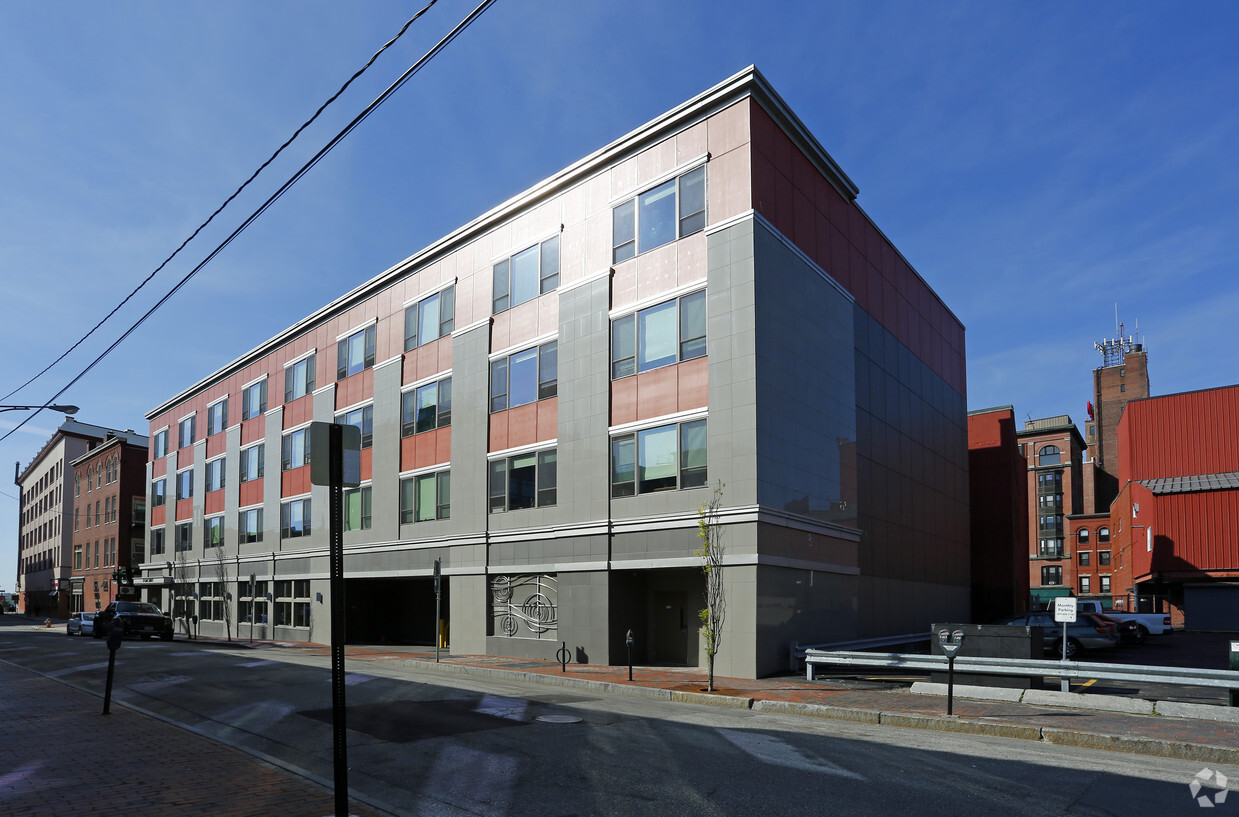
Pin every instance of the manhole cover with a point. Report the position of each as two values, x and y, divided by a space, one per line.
558 719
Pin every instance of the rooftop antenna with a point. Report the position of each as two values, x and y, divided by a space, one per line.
1114 349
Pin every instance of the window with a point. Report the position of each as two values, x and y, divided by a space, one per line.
215 475
254 400
185 484
524 377
1084 557
666 458
157 535
1052 574
184 536
1050 523
211 601
1103 535
296 449
252 463
1086 583
1051 483
1105 583
430 318
525 276
76 514
652 218
96 553
295 519
77 557
523 481
1103 558
659 336
249 526
355 353
1082 536
214 532
1049 455
98 518
217 417
252 602
292 603
363 418
426 497
138 511
426 408
77 482
186 432
1050 502
298 379
1122 387
1051 549
357 508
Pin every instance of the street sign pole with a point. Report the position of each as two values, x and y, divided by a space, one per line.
336 533
438 598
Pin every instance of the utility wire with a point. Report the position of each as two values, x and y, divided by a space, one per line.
361 117
227 201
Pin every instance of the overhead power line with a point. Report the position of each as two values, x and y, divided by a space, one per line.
361 117
227 201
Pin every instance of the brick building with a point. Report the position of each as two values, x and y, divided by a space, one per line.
109 519
547 395
999 515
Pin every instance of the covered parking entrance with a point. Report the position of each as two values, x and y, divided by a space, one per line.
394 611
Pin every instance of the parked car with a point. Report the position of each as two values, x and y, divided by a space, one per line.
1088 632
1151 623
140 618
1130 632
81 624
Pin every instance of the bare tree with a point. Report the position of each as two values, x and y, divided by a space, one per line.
223 580
711 552
181 588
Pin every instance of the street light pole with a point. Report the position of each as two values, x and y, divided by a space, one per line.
66 409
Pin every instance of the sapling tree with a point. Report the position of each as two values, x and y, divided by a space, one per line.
711 552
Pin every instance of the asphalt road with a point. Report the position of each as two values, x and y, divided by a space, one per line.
429 746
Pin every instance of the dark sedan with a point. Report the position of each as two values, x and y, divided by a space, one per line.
140 618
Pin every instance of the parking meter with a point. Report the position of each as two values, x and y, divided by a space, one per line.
950 649
115 636
628 642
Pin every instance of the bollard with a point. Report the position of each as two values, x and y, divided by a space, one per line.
563 655
629 643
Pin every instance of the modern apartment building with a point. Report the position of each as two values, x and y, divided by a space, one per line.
109 520
45 531
547 395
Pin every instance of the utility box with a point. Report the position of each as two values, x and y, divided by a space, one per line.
991 641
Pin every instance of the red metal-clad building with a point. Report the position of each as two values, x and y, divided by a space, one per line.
1176 519
998 515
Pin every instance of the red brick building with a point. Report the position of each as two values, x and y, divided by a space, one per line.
109 520
998 516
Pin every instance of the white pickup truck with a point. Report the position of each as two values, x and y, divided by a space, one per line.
1151 623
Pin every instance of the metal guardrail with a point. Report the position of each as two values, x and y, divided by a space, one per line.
797 651
1181 676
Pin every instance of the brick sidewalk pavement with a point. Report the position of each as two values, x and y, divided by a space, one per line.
60 755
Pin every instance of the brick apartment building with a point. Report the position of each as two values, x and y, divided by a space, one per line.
109 519
45 532
547 395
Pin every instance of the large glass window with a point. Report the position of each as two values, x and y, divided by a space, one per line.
157 541
665 458
357 514
215 532
526 275
426 497
523 481
184 536
355 353
426 408
295 519
159 447
524 377
185 431
299 379
184 485
292 603
659 335
658 216
252 462
249 525
215 475
252 602
1051 575
1049 455
254 400
159 495
363 419
430 318
296 449
217 417
1051 548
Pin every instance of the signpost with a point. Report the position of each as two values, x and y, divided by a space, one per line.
335 461
438 599
1065 612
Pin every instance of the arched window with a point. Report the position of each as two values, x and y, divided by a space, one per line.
1103 534
1082 536
1049 455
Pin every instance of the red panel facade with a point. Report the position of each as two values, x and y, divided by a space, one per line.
1180 435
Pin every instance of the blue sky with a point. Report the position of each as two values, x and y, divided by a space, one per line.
1038 164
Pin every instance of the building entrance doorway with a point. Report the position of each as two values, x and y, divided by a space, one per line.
393 611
